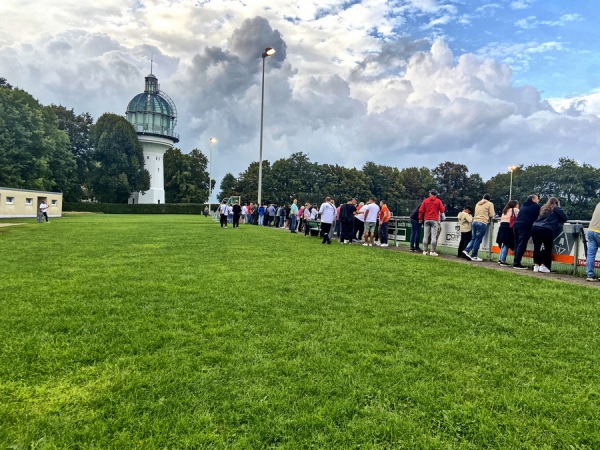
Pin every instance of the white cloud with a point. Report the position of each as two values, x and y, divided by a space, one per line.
333 89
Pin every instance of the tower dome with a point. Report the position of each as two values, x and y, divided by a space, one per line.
153 112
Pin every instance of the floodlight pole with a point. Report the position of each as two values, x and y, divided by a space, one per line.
212 141
511 169
268 52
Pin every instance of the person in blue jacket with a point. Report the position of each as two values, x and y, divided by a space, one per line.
543 233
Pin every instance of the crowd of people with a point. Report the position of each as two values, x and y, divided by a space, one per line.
357 222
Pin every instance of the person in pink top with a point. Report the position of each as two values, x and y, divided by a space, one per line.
505 238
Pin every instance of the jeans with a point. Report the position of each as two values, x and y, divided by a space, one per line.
593 239
522 235
415 234
503 253
430 234
293 223
478 231
347 230
383 238
281 220
261 220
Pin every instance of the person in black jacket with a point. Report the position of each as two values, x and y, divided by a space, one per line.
347 212
415 230
528 214
237 211
543 233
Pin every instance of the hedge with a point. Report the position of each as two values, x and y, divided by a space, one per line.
121 208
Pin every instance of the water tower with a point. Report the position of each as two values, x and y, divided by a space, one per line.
153 116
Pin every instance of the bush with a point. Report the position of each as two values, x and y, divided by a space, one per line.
123 208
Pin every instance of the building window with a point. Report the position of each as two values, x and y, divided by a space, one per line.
10 200
28 201
54 202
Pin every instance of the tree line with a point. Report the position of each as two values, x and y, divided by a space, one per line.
576 186
52 148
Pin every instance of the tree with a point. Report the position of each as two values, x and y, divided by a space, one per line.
385 182
186 178
228 187
77 128
34 153
247 183
118 168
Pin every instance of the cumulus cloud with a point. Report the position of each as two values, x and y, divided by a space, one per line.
342 87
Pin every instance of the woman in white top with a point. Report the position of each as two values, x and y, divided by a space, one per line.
327 212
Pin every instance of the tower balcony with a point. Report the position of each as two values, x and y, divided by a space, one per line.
155 130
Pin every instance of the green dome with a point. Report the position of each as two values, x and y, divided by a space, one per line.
153 112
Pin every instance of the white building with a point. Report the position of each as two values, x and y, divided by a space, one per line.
153 115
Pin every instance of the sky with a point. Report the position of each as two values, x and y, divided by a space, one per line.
404 83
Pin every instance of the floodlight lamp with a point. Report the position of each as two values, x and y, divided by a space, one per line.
213 140
268 52
512 168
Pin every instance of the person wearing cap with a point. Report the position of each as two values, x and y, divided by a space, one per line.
484 212
429 215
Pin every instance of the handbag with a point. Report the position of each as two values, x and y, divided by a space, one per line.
513 219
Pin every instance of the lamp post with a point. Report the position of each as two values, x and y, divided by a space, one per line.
211 141
511 169
268 52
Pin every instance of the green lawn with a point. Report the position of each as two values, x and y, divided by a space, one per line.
169 332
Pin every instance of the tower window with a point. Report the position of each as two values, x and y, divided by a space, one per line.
147 157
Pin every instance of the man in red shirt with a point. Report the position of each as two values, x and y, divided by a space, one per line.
429 216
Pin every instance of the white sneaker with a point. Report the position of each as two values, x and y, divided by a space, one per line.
383 245
476 259
425 252
433 254
544 269
536 268
467 254
365 245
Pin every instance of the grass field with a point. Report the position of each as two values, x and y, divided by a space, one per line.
169 332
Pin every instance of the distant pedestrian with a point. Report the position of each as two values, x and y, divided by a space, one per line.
415 230
44 210
371 212
293 215
484 212
465 221
327 212
505 237
593 238
237 212
429 216
359 221
528 214
244 213
347 212
261 215
384 220
543 233
223 212
206 212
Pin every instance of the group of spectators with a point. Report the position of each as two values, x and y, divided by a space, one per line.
352 221
517 225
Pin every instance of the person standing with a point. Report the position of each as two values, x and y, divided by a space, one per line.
384 219
334 223
429 215
347 211
543 233
593 238
465 221
244 213
484 212
261 215
415 230
237 211
223 212
327 212
206 211
306 218
249 214
528 214
282 216
359 221
44 210
293 215
371 211
505 238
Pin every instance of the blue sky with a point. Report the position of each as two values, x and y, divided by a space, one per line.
405 83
